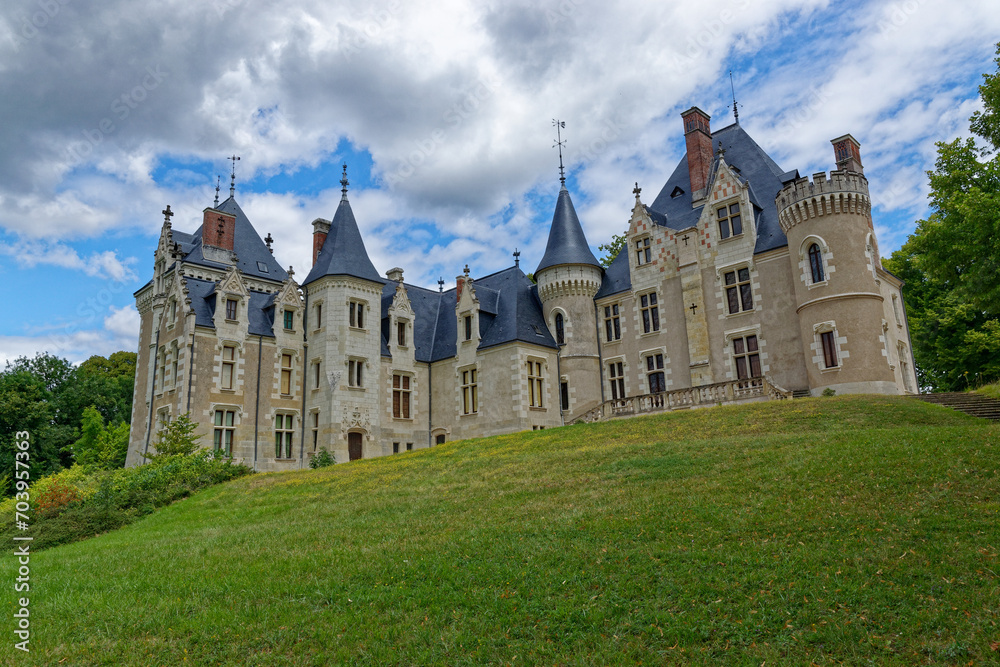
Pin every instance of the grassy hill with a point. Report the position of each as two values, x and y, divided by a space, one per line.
857 530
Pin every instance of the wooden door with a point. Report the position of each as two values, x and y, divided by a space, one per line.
354 446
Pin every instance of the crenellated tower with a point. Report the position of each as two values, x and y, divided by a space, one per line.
839 295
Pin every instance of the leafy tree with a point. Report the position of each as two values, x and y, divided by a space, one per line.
177 438
951 263
612 248
99 445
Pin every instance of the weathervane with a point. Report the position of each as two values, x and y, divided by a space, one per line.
344 184
560 143
517 257
218 181
441 284
232 177
736 108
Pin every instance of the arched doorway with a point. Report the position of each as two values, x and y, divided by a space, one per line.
354 446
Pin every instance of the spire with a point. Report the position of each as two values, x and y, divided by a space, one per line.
344 184
736 107
218 180
567 243
560 143
232 176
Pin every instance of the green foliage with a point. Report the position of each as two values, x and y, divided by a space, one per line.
951 263
177 439
99 445
829 391
612 248
322 459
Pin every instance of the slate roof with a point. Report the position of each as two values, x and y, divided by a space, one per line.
567 243
253 257
753 165
509 310
260 309
343 252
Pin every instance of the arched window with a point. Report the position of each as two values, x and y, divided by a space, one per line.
560 329
816 263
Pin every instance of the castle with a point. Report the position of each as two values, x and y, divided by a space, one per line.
739 281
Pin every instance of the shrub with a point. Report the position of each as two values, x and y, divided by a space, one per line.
55 497
322 459
829 391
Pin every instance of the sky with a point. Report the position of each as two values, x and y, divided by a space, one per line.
443 112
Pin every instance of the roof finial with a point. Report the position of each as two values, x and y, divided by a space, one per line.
268 241
344 184
722 151
466 271
441 284
218 181
636 191
736 107
232 177
517 257
167 214
560 143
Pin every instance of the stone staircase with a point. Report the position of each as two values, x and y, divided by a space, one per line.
801 393
976 405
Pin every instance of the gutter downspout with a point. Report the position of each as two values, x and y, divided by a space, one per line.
305 350
256 406
600 353
562 418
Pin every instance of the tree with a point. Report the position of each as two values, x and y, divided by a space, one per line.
177 438
612 248
951 263
100 445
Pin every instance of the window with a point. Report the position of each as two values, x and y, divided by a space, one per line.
560 329
468 327
650 312
316 374
816 263
357 313
439 439
654 374
747 357
289 316
173 311
643 253
738 290
222 434
616 373
162 356
612 323
564 395
535 384
895 310
315 431
286 374
284 426
174 354
230 309
829 349
401 334
319 316
470 397
228 366
355 370
395 448
401 396
730 222
409 446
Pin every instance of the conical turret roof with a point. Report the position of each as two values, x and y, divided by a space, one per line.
343 252
567 242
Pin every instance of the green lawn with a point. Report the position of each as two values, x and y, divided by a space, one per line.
846 530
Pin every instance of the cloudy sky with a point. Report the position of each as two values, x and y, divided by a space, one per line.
443 112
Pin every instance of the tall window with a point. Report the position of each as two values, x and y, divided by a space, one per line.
747 357
401 334
315 431
470 397
564 395
829 349
650 312
162 357
468 327
560 329
401 396
319 316
355 369
284 427
174 354
738 292
222 434
535 384
230 309
612 323
643 253
289 316
616 373
286 374
228 366
654 374
816 263
730 222
357 314
316 374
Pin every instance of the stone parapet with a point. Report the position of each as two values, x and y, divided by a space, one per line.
569 280
842 193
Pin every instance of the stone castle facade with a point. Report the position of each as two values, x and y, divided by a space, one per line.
739 280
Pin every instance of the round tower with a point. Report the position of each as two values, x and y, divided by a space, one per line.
835 266
568 277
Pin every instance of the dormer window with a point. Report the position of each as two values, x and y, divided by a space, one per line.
289 317
643 253
231 309
730 221
677 192
401 334
468 327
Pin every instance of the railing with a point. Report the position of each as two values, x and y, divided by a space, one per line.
720 393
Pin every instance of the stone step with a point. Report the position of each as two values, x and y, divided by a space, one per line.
976 405
801 393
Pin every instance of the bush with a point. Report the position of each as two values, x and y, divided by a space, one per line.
55 498
322 459
829 391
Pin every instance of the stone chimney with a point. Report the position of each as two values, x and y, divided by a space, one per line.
847 153
395 274
698 137
321 228
218 229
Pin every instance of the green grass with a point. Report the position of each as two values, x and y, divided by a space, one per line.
990 390
847 530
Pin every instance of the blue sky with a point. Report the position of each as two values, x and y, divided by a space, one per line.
443 112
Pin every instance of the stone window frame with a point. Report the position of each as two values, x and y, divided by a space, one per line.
234 300
175 354
611 316
653 310
536 382
314 429
356 373
554 325
729 353
287 312
358 314
401 390
805 266
642 245
290 369
288 431
726 206
404 331
820 328
644 355
616 381
234 362
237 411
468 395
317 310
735 269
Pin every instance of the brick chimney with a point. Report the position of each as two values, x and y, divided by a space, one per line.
847 153
218 229
698 137
321 228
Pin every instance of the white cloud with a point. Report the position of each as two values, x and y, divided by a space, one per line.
106 264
